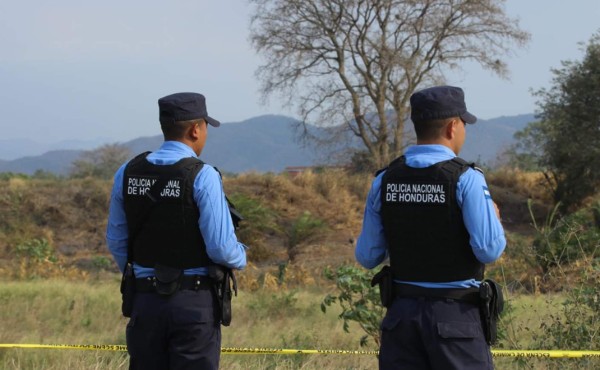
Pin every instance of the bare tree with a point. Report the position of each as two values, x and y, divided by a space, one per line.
101 162
355 63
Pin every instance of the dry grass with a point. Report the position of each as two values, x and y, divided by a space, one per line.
279 298
63 312
331 195
528 184
71 216
511 190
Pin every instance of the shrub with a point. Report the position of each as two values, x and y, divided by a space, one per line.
36 251
359 301
577 326
259 221
37 259
568 239
303 228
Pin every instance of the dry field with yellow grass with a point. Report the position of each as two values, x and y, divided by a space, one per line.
60 285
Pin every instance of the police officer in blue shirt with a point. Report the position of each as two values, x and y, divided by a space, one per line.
431 213
170 220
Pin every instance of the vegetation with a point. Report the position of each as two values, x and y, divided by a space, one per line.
568 119
101 162
356 63
567 253
56 270
69 312
359 301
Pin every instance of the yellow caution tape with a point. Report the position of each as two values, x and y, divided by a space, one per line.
283 351
546 354
96 347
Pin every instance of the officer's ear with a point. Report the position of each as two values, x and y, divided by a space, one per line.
450 128
196 129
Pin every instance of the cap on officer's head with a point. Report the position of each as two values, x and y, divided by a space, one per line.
438 103
184 107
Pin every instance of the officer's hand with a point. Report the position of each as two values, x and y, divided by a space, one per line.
497 211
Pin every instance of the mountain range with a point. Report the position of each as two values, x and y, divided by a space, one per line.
264 144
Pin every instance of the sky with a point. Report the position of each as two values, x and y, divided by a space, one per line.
89 70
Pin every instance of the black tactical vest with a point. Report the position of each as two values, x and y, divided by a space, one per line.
423 225
162 216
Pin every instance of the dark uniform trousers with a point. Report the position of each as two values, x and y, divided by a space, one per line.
433 333
176 332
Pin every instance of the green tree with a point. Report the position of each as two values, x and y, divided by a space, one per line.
101 162
565 142
353 64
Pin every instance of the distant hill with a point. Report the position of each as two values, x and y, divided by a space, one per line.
487 139
11 149
55 161
269 144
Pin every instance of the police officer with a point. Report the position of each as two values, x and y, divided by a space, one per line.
431 213
169 217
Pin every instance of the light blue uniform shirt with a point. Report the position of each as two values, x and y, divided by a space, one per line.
486 233
215 221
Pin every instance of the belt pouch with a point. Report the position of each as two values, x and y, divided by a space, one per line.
385 281
491 306
168 279
222 278
226 301
127 290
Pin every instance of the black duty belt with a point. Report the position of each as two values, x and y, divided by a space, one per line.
469 295
188 282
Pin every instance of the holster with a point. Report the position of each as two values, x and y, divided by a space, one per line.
385 280
491 306
127 290
223 278
168 279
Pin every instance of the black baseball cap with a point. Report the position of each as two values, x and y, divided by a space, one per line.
184 106
439 102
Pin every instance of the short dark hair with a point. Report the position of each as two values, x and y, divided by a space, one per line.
176 130
431 129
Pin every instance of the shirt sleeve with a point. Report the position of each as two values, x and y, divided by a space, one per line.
371 247
487 237
116 229
215 221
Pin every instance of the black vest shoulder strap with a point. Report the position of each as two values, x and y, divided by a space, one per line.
456 167
138 158
398 161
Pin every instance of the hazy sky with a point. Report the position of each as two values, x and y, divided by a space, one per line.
72 69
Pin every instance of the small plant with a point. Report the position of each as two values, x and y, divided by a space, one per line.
36 250
305 228
102 263
359 301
